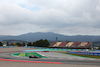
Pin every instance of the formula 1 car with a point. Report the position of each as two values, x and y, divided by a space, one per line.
45 51
34 57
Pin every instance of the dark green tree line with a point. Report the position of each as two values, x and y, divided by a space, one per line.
41 43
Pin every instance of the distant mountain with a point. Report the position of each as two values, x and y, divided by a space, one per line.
50 36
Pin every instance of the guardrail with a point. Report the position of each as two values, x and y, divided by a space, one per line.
85 53
7 46
48 48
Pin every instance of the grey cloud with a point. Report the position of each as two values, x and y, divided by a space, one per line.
55 15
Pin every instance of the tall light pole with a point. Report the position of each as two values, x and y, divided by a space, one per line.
56 40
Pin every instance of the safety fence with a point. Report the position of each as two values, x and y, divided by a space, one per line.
57 48
7 46
48 48
85 53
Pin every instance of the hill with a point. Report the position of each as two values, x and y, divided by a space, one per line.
50 36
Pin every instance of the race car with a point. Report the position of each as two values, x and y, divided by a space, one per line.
34 56
45 51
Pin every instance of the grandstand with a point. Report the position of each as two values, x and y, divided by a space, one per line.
83 44
76 44
89 43
52 44
71 44
62 44
57 44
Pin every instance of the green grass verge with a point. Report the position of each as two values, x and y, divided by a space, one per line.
28 54
86 56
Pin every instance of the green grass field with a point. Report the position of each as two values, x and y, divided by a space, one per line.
86 56
28 54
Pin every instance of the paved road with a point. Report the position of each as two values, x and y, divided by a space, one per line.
23 64
55 57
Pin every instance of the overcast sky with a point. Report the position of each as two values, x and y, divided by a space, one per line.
67 17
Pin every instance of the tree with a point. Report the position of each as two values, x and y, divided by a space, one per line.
99 47
7 43
34 43
29 44
46 43
23 44
18 44
1 44
41 43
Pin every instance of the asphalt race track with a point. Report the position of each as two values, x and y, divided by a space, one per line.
52 57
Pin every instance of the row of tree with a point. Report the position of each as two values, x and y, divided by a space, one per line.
39 43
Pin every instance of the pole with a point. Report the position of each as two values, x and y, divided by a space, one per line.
56 40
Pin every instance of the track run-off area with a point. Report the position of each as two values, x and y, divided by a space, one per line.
52 58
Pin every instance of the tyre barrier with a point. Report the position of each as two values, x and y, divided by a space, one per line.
85 53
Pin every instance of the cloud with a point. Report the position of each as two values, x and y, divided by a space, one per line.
69 17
